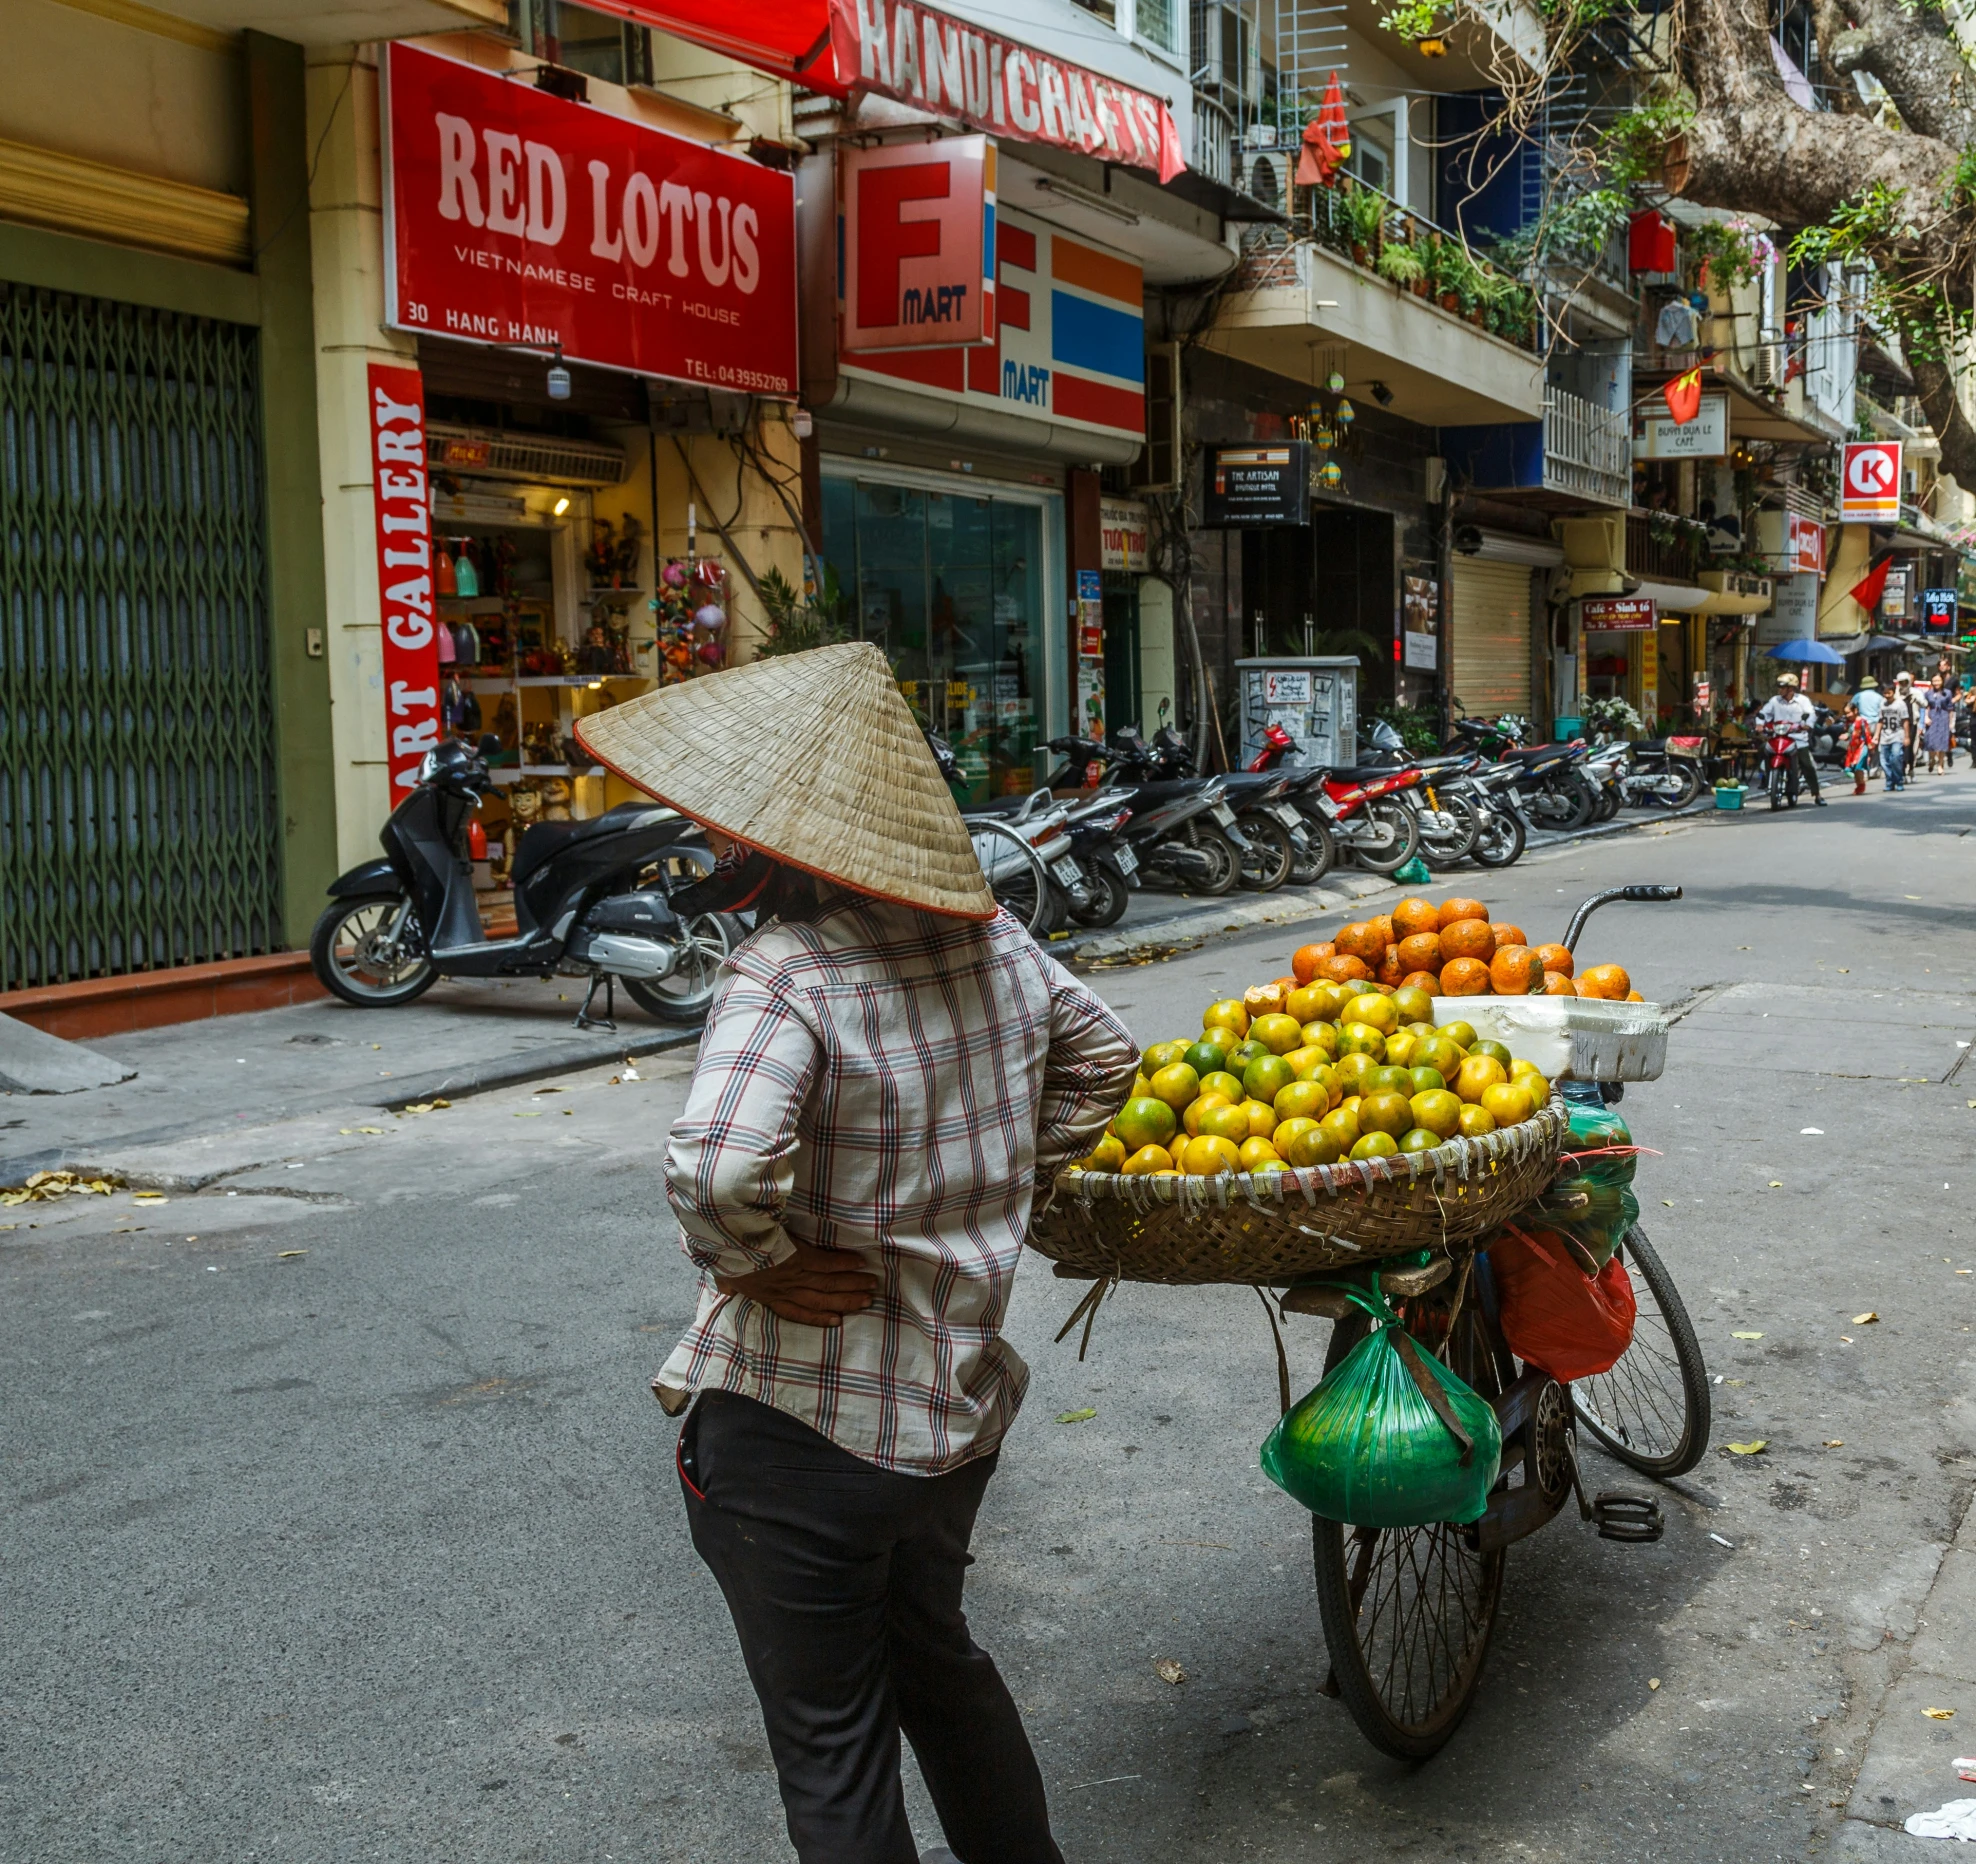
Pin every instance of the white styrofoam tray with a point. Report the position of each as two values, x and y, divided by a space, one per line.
1586 1038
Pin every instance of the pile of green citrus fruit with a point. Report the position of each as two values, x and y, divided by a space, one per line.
1298 1074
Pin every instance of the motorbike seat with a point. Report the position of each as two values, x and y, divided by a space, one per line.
541 842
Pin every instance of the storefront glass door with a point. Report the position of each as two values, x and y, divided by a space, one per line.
951 586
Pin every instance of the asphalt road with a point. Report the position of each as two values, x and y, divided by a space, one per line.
338 1524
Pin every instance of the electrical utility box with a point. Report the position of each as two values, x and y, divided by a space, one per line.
1314 699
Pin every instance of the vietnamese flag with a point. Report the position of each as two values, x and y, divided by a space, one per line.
1327 143
1870 587
1684 396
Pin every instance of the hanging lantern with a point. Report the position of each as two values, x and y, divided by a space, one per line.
1346 414
1335 382
1325 439
1332 476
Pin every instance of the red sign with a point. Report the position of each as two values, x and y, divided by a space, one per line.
518 218
919 236
404 571
1804 544
1870 482
930 59
1618 614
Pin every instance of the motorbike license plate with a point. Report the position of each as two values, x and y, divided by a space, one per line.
1285 814
1067 871
1128 862
1223 814
1327 807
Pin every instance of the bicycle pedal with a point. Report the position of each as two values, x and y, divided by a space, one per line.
1628 1517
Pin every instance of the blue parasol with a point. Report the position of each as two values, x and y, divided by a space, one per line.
1811 653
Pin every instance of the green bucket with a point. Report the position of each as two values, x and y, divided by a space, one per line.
1729 795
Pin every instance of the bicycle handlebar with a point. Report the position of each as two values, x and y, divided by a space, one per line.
1638 895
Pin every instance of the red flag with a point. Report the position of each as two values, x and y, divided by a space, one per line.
1870 587
1684 396
1327 143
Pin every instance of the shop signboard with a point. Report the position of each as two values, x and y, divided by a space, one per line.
1938 611
1793 611
1420 616
516 218
1091 614
1706 437
404 572
1619 614
919 222
1893 597
1124 534
1257 485
1070 338
941 63
1870 482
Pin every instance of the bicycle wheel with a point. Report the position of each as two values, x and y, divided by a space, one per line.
1408 1611
1651 1410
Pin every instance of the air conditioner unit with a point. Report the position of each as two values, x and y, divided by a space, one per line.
1266 177
1767 366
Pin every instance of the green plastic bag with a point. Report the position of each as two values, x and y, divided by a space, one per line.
1591 1201
1389 1438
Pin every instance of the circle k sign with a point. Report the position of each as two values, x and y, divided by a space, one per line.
1870 485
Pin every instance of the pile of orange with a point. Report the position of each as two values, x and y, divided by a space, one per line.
1305 1071
1454 950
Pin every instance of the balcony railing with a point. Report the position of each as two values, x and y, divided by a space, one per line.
1661 547
1438 265
1588 450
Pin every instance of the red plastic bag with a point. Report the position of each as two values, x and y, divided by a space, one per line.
1563 1321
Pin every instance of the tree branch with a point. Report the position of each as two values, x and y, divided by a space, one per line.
1934 384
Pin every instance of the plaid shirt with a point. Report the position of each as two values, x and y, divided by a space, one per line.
895 1084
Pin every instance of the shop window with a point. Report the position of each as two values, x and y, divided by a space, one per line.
1106 10
951 587
579 40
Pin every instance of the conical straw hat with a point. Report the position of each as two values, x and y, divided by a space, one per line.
813 758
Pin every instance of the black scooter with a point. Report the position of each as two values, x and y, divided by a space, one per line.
592 898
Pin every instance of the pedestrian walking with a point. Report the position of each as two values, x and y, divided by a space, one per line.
889 1071
1859 746
1869 698
1936 722
1896 731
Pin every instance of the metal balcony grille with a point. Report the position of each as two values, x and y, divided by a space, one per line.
138 818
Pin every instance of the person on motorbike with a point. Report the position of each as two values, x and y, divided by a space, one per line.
1790 714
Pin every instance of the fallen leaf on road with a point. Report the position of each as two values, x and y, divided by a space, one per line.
1755 1447
528 1113
1835 1443
1845 1339
370 1129
1746 1336
1777 1184
149 1197
1653 1682
540 1091
1168 1671
439 1105
345 1131
1865 1320
1939 1715
287 1254
1075 1417
1845 970
1668 1201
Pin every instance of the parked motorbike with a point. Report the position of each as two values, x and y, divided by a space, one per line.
1277 836
1667 772
1551 789
592 899
1182 830
1360 808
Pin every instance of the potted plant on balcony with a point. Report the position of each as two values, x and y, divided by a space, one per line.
1448 268
1399 264
1365 217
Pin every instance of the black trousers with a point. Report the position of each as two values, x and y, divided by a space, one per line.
844 1581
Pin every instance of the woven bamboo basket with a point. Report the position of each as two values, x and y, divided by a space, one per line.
1271 1229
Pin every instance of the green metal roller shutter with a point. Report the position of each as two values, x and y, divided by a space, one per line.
138 820
1490 630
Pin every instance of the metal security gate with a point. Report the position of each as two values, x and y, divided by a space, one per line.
1489 633
138 816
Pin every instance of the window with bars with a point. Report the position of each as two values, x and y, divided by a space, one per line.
139 826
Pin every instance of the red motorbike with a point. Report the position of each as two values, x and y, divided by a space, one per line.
1359 808
1780 767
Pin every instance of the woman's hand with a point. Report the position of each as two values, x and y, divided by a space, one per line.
815 1287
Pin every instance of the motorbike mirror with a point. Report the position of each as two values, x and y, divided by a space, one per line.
490 744
1166 707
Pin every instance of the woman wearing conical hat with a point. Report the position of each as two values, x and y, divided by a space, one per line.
889 1070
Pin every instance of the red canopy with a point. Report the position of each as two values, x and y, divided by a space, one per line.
788 37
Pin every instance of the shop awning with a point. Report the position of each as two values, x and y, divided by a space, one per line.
934 61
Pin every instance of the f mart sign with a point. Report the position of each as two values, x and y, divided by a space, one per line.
919 233
1870 482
